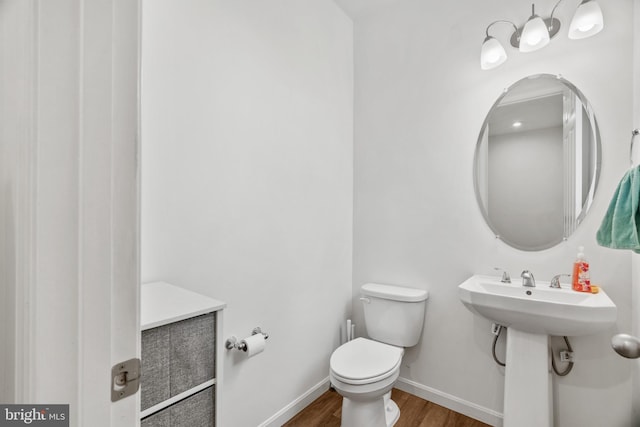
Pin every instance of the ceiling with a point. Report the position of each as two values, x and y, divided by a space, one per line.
538 113
358 8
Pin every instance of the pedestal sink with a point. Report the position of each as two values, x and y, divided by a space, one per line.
531 314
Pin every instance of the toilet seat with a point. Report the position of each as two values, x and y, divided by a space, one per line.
363 361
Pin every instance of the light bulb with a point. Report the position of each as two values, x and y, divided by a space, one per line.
585 26
587 21
533 39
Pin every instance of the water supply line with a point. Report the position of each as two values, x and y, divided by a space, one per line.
493 350
553 359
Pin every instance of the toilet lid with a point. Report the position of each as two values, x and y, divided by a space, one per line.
363 359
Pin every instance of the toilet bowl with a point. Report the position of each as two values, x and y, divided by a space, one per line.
364 370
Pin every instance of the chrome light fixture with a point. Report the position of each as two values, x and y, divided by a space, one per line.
493 54
537 32
587 20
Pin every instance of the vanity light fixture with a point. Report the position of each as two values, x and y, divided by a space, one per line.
537 32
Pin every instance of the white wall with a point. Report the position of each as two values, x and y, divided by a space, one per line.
533 160
247 166
420 101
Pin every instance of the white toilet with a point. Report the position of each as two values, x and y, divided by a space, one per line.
364 370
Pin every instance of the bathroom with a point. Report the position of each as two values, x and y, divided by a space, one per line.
290 152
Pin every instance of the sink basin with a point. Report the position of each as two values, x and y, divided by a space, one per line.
538 310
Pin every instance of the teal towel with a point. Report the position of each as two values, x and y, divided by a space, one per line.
619 228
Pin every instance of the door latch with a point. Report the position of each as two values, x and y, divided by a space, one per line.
125 379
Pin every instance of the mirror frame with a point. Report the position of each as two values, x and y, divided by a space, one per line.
595 130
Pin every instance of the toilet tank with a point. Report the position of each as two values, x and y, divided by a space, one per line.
394 314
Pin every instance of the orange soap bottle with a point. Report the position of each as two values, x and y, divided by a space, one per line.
581 281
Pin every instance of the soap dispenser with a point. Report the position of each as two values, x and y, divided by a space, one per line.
581 281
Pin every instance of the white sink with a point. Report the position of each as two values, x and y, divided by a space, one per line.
531 314
538 310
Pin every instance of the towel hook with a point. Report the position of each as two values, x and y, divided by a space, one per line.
634 133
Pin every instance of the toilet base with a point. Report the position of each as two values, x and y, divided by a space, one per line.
392 412
377 413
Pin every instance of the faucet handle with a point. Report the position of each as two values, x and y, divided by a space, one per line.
505 275
555 281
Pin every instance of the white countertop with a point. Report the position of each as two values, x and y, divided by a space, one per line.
162 303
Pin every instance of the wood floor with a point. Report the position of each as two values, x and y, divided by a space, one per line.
414 412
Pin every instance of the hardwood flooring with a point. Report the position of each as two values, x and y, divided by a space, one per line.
414 412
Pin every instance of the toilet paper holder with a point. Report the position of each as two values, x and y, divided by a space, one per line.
233 342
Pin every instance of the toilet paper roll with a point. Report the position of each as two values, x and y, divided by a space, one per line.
255 344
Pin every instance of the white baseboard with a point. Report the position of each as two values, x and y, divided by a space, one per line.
288 412
441 398
486 415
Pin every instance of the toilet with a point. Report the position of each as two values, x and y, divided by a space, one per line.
364 370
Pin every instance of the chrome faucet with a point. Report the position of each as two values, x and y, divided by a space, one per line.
505 275
555 282
528 279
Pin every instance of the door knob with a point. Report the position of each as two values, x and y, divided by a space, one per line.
626 346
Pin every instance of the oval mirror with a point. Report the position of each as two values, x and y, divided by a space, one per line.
537 162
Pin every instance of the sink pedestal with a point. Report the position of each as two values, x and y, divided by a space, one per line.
527 384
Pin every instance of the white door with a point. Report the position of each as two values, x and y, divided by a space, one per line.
635 259
70 221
